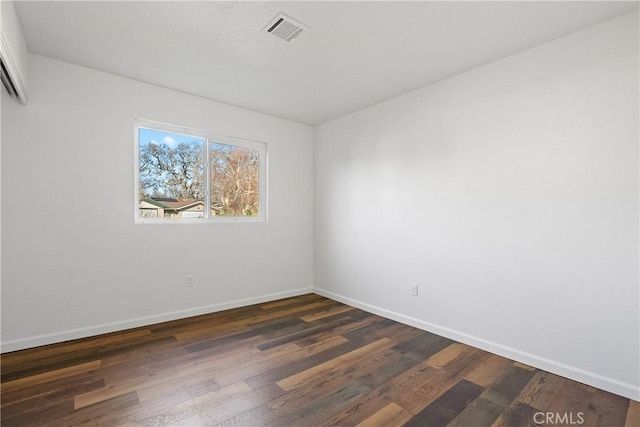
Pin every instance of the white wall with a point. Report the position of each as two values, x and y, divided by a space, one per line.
75 264
510 194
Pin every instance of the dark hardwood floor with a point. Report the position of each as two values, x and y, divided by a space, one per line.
300 361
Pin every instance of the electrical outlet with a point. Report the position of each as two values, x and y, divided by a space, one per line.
413 289
190 281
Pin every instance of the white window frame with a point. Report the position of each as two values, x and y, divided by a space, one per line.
208 137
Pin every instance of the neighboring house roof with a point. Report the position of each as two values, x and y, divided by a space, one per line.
168 203
153 202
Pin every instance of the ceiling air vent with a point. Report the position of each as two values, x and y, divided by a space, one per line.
285 27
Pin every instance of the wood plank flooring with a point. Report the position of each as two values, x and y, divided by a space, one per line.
303 361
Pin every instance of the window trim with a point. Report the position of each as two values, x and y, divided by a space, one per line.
209 137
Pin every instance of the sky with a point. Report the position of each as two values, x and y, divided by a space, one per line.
150 136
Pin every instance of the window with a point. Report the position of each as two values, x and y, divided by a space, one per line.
186 175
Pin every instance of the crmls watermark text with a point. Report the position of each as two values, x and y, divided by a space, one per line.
551 418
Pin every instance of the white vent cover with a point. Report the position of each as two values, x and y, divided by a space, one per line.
285 27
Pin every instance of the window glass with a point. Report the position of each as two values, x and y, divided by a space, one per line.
235 188
171 174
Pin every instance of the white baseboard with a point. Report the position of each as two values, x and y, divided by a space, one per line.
621 388
72 334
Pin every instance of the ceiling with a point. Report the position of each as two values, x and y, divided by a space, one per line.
355 54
